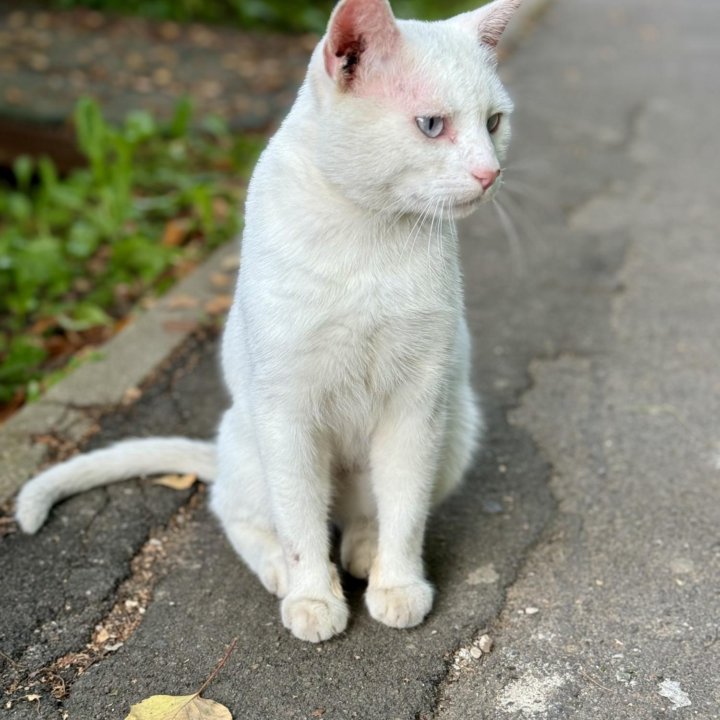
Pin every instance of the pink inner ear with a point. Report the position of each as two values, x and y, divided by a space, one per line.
489 22
358 28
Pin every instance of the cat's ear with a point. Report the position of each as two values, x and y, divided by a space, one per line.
489 22
359 33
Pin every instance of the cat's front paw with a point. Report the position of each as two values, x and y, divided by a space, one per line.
402 606
314 619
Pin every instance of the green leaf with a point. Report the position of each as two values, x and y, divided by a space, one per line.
83 239
139 255
39 262
84 316
215 125
21 358
23 170
180 122
92 133
19 207
139 126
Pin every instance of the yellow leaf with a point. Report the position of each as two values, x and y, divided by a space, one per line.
176 482
178 707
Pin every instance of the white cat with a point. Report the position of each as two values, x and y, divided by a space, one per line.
346 351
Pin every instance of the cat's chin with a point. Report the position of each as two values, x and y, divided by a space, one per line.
463 209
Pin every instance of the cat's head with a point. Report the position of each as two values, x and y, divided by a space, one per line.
412 114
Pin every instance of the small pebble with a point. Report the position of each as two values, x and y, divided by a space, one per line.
485 643
476 652
492 507
532 610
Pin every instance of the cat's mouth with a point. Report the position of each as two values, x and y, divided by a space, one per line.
466 205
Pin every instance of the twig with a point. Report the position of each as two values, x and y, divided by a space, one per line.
218 667
9 659
593 680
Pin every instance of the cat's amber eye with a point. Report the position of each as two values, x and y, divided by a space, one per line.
493 122
431 126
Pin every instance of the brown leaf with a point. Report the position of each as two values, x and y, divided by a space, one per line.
232 262
220 280
175 232
131 395
180 326
219 304
176 482
174 707
221 208
182 302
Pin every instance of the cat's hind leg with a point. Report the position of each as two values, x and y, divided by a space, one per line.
463 432
355 512
239 498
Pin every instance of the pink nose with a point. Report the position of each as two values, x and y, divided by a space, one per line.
485 177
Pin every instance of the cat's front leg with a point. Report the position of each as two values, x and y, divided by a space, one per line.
404 457
297 468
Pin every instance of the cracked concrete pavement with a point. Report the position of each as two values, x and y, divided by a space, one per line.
585 542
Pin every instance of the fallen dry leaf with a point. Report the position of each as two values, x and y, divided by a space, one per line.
232 262
180 326
175 232
131 395
183 707
220 280
182 302
176 482
219 304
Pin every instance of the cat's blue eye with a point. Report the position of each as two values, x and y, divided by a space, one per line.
493 122
431 126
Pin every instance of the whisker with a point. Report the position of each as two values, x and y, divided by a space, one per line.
431 238
511 233
525 226
415 230
441 233
525 189
527 163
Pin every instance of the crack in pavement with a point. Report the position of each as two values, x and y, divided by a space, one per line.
130 599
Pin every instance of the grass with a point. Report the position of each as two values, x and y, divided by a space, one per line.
77 252
296 16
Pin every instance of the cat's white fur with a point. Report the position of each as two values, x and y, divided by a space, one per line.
346 351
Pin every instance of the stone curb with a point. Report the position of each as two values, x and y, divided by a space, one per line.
127 360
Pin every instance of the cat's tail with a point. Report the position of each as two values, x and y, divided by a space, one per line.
130 458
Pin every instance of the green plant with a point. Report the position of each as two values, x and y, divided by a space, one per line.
296 16
77 251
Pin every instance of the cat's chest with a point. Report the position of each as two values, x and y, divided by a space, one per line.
340 321
379 332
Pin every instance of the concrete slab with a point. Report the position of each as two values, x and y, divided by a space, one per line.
623 587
